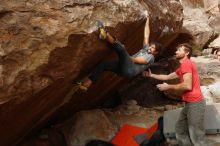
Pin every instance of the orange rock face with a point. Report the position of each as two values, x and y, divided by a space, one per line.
45 45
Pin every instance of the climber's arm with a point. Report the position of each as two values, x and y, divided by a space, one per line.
146 30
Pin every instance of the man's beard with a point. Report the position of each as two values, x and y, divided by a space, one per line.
179 57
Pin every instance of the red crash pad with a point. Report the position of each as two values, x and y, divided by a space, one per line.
125 137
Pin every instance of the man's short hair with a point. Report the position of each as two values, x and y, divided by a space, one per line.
187 48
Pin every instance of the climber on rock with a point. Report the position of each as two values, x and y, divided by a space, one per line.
126 65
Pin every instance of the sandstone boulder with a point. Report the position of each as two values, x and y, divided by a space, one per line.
214 22
215 43
90 125
46 45
196 23
211 93
208 69
211 6
192 3
40 40
215 92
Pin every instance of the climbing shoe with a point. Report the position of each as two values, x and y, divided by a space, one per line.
102 31
100 24
81 87
102 34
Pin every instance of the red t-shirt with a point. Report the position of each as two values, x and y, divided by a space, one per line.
194 95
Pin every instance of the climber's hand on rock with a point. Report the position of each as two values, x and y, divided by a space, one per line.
145 14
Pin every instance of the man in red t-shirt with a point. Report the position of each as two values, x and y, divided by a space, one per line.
190 125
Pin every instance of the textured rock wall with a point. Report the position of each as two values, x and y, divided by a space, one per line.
36 42
209 73
45 45
201 19
196 24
